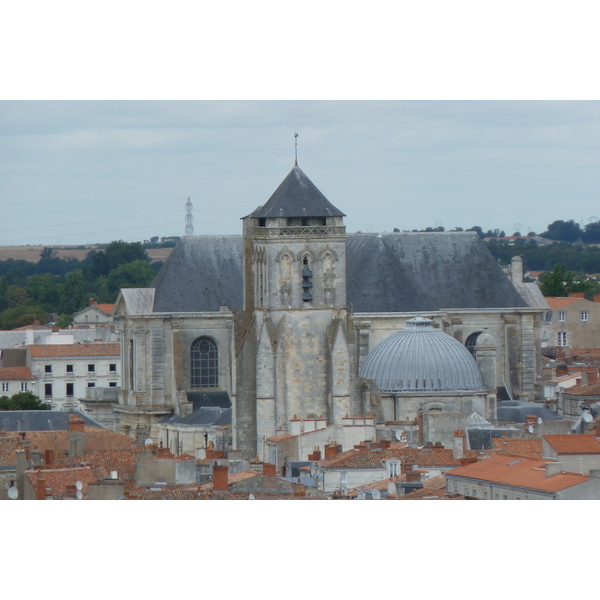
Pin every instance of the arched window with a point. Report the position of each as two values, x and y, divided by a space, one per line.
471 341
205 363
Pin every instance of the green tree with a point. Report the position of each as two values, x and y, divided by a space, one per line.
564 231
64 321
46 290
135 274
23 401
117 253
16 296
73 296
561 282
47 252
19 316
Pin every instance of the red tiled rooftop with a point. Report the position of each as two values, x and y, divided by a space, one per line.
87 349
573 443
107 308
231 479
528 448
15 373
95 439
556 302
520 472
58 479
590 389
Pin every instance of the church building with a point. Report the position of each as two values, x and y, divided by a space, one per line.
278 322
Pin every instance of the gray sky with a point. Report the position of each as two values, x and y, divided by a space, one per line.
76 172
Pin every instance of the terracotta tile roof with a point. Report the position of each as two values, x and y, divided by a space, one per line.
435 483
279 438
555 302
87 349
435 457
355 459
107 308
121 461
527 448
591 389
185 457
58 479
94 439
573 443
520 472
15 373
231 479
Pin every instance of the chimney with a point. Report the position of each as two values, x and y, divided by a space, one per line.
577 295
76 437
596 297
91 302
330 451
295 426
269 470
48 456
220 478
316 455
41 487
300 491
516 269
458 444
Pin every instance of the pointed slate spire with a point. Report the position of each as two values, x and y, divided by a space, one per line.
297 196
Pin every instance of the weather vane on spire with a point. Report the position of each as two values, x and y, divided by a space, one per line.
295 149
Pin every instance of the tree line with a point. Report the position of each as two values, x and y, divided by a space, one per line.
57 287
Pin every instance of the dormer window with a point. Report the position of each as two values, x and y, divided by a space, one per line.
262 222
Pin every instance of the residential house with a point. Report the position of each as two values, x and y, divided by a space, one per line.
64 372
572 321
505 477
14 380
94 313
576 452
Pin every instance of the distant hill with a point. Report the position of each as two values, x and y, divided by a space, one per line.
32 253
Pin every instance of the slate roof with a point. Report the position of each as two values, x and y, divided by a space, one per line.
513 411
297 196
424 271
40 420
519 472
199 274
65 350
15 373
573 443
406 272
203 416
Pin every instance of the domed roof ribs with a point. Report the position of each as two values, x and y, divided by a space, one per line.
297 196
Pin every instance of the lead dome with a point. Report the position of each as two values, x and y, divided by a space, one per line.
421 359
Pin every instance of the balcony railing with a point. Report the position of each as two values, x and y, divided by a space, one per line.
270 232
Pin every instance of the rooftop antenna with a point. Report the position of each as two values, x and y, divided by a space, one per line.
189 227
295 149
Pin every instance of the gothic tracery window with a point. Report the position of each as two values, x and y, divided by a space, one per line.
205 363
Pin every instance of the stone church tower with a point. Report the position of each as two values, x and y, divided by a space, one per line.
293 335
